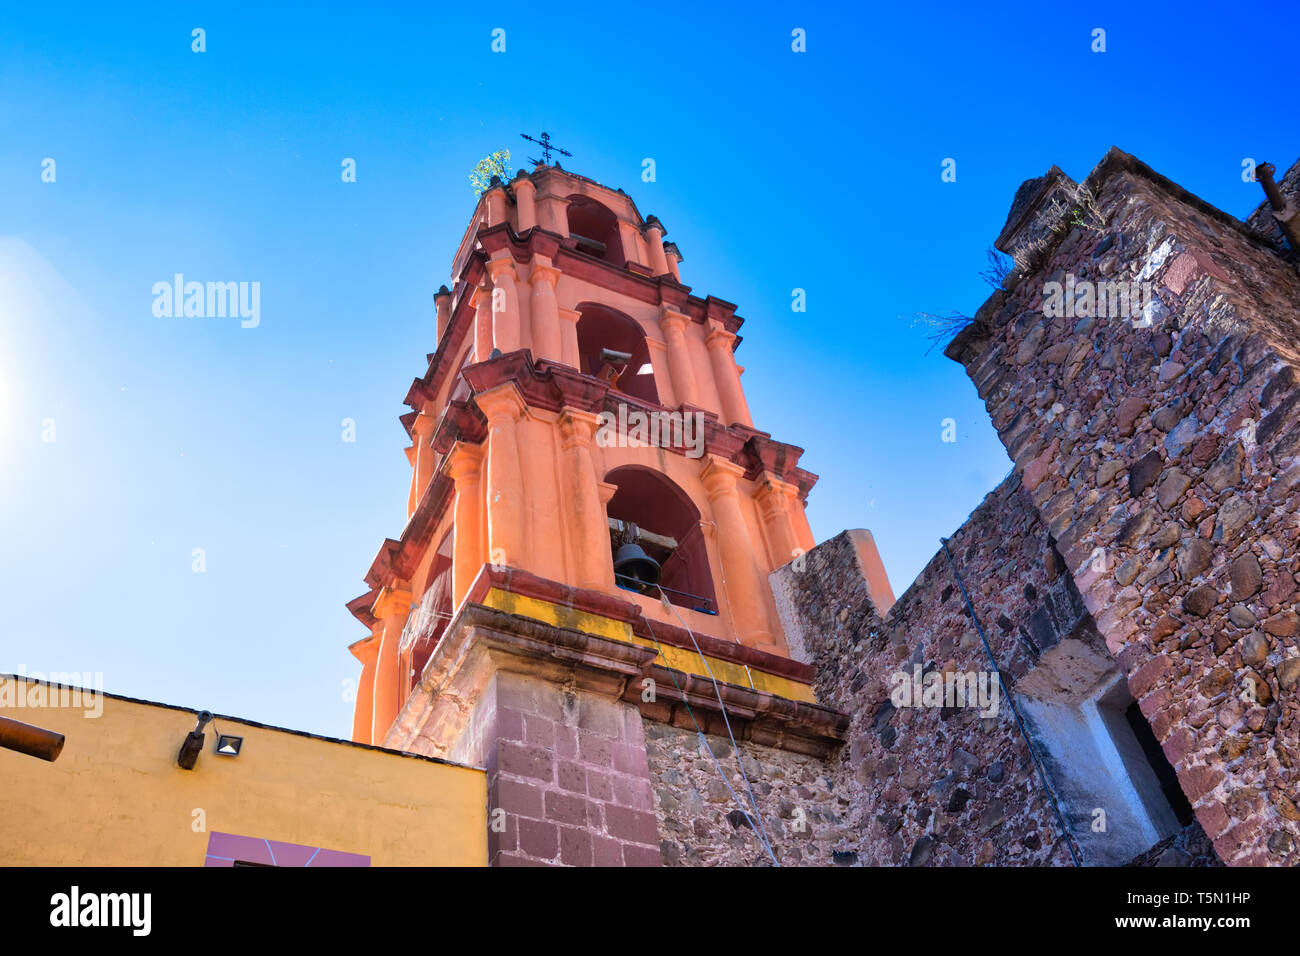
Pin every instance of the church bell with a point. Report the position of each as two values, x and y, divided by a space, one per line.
637 569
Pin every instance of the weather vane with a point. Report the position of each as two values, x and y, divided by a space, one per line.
547 149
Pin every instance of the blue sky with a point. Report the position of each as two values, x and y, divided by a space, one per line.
775 170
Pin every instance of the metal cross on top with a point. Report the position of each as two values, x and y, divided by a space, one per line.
547 149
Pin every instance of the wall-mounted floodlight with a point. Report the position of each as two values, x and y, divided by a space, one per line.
189 754
33 741
229 745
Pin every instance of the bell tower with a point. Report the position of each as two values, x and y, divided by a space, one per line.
592 510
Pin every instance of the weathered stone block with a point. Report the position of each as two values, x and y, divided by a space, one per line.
1143 472
1246 577
1200 601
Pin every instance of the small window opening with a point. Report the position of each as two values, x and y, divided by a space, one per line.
1160 765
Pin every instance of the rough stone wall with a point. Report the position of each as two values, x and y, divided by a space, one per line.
939 785
913 785
1188 847
1163 460
701 824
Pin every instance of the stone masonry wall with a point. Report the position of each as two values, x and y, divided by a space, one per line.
913 785
1164 461
568 768
943 786
701 824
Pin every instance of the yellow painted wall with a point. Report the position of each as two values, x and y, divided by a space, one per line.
116 797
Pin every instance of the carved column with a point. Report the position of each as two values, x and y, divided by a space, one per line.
525 202
679 356
547 334
421 430
464 467
505 305
502 407
727 376
496 204
482 302
674 258
569 338
366 651
412 455
654 237
391 608
736 552
775 499
442 303
592 562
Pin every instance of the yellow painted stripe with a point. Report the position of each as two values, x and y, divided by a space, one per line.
680 659
545 611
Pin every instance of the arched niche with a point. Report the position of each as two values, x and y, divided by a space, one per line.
600 327
595 227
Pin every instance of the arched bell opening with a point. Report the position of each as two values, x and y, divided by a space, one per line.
651 513
602 331
595 228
